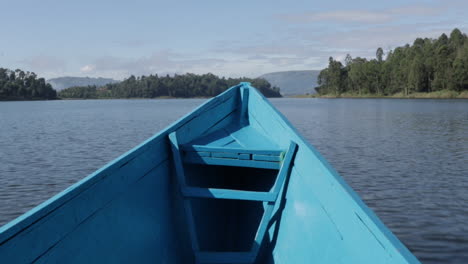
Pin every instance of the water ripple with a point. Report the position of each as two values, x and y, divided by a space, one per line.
407 159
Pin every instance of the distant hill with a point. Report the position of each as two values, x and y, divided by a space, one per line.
293 82
67 82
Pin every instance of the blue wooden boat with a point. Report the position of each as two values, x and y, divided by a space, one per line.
231 182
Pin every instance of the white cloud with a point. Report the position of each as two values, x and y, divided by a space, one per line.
361 15
343 16
88 68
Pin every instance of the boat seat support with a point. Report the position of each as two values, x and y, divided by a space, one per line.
270 159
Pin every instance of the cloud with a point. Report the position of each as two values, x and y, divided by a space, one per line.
416 10
88 68
43 63
343 16
158 62
309 48
387 37
361 15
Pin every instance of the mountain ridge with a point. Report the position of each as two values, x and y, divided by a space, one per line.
293 82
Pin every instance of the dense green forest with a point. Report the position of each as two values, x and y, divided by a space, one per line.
429 65
20 85
186 85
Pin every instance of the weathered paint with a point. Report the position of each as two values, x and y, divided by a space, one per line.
135 210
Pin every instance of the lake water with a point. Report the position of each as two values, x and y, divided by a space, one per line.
407 159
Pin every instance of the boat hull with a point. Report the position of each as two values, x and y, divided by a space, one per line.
131 209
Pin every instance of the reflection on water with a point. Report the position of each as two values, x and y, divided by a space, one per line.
408 159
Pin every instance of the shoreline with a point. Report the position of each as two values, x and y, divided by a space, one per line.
431 95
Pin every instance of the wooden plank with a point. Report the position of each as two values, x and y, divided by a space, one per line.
177 159
228 194
251 138
211 138
224 257
285 166
245 156
75 204
181 181
205 120
204 154
192 157
244 116
95 239
260 235
266 158
279 183
230 155
272 152
233 117
191 225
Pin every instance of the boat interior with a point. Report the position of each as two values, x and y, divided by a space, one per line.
230 180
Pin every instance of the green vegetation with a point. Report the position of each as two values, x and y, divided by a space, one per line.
20 85
185 86
438 67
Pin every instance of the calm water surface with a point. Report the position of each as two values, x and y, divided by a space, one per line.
408 159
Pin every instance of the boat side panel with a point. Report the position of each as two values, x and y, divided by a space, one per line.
324 219
136 227
33 235
34 215
204 122
50 230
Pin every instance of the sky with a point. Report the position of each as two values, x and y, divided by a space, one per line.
115 39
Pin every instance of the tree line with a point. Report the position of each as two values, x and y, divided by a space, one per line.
185 86
20 85
428 65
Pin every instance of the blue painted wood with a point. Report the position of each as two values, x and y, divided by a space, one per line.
192 157
218 112
177 159
131 210
260 235
317 189
268 206
285 167
266 158
203 154
250 138
224 155
245 156
228 194
231 150
181 180
244 118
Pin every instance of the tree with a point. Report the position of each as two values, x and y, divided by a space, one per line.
186 85
416 77
379 54
427 65
20 85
